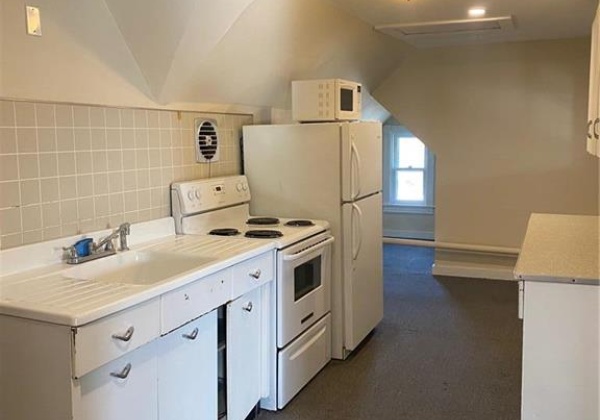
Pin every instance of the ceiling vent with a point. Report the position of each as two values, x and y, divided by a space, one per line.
207 141
449 31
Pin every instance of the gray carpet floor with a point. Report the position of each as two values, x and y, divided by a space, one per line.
447 348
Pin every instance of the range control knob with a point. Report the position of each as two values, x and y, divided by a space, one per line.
197 194
245 186
190 195
239 186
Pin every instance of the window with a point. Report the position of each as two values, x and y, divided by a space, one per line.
409 176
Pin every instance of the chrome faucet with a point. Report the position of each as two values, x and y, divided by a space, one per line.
122 231
86 250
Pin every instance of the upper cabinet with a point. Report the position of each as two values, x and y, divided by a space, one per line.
593 124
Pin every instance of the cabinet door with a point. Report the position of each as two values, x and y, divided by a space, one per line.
187 371
243 354
561 336
124 389
593 133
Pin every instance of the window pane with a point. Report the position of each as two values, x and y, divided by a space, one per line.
411 153
409 186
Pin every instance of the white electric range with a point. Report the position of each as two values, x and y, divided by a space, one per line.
301 302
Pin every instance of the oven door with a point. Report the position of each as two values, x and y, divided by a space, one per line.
303 286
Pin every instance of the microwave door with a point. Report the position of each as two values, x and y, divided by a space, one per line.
346 99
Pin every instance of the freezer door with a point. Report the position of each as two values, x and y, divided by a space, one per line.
361 160
363 268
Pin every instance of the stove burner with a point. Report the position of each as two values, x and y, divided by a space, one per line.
263 234
224 232
299 223
263 221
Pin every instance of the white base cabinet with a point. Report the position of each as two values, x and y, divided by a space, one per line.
187 371
244 354
120 367
133 395
561 336
171 378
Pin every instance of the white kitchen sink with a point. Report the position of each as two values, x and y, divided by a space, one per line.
136 267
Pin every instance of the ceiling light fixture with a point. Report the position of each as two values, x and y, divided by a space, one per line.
477 12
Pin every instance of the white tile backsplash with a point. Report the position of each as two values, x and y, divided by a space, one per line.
70 169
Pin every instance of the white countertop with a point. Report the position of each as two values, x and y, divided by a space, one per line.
43 293
562 248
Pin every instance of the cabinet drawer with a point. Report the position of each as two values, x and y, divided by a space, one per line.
251 274
111 337
189 302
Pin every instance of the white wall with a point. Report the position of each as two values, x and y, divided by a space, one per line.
408 225
276 41
1 50
81 56
508 126
188 54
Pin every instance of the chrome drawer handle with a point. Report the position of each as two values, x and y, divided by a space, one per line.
191 336
255 274
125 337
122 374
248 307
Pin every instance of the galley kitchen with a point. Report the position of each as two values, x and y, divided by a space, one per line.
299 209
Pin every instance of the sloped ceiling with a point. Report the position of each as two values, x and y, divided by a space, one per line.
276 41
169 39
187 53
534 19
248 51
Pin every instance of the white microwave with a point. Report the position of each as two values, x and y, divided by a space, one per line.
326 100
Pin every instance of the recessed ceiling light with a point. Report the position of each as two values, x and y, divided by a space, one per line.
476 12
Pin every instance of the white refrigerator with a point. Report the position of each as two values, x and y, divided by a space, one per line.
329 171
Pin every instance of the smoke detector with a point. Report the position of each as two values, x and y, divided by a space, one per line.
207 141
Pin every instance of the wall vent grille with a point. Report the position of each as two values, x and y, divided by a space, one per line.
207 141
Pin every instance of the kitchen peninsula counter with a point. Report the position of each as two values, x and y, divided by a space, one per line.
559 302
560 248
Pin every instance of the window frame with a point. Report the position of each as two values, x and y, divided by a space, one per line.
393 136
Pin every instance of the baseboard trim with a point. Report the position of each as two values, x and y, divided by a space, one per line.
442 268
408 234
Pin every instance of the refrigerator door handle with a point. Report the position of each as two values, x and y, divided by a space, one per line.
355 180
356 249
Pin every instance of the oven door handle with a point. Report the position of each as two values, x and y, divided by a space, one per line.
311 249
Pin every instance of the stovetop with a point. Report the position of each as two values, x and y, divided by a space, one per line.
222 204
236 223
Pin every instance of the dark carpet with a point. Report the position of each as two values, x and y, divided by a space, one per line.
447 348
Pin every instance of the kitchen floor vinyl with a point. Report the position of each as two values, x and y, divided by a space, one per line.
447 349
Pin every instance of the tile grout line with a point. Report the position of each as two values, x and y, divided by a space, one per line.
76 199
37 145
92 150
14 106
